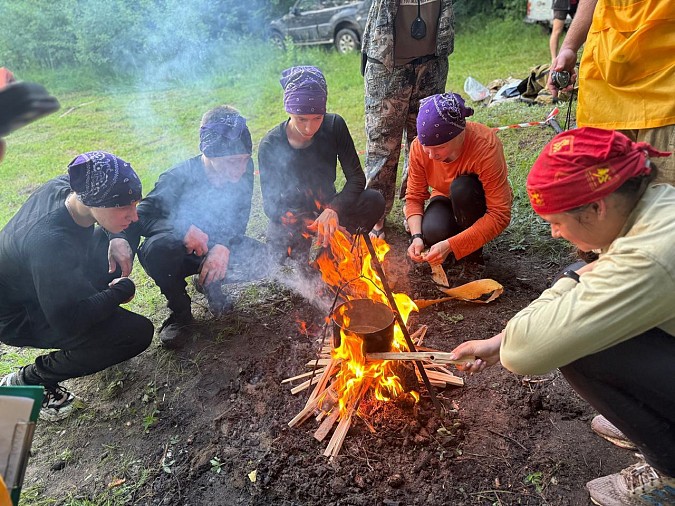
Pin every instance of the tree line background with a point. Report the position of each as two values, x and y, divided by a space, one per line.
123 35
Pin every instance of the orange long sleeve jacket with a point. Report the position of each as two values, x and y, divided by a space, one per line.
483 155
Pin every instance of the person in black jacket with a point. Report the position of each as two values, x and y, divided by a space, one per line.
298 162
194 222
62 281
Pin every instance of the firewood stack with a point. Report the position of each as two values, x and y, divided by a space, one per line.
338 391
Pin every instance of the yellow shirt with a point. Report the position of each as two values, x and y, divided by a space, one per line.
627 71
630 290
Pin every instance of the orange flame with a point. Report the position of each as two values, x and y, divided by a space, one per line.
348 268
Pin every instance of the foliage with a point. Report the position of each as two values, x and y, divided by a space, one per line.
127 35
500 9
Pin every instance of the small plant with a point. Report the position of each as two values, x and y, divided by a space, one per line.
66 455
216 465
450 318
150 420
535 479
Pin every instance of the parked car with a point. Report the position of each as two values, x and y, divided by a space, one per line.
541 12
312 22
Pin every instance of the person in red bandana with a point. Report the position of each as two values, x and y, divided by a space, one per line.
609 326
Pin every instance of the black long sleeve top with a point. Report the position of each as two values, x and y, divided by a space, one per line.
183 196
43 271
297 180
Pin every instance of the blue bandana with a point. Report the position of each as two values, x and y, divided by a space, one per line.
100 179
226 136
305 90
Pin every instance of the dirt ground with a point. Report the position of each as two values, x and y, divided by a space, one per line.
208 424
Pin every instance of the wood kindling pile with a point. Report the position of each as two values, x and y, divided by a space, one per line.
323 402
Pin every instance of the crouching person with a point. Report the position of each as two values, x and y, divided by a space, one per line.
195 219
609 325
60 279
459 167
298 170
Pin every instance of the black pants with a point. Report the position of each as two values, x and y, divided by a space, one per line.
446 217
111 341
364 214
164 258
632 384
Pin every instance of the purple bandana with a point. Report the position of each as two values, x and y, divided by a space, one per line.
100 179
441 118
225 136
305 90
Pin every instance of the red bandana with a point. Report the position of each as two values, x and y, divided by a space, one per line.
584 165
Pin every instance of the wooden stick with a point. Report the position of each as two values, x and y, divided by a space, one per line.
319 362
327 373
305 384
309 408
431 356
419 333
447 378
303 375
327 425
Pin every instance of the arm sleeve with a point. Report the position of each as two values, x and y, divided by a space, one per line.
417 191
351 166
67 298
271 183
622 297
492 172
163 198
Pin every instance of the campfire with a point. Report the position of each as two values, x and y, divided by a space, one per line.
370 351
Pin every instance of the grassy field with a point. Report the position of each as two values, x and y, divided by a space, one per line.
154 125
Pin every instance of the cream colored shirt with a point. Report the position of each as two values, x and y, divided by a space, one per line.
630 290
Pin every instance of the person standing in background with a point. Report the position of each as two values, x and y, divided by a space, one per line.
561 9
405 52
627 71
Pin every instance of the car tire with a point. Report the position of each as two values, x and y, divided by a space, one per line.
277 40
347 41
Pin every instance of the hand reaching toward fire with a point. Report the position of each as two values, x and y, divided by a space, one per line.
196 241
119 254
486 352
214 267
325 226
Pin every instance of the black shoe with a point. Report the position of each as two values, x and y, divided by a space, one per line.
175 330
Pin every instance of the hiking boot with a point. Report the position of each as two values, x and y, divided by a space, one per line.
175 330
57 403
604 428
637 485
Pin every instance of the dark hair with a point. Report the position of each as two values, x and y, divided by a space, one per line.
218 113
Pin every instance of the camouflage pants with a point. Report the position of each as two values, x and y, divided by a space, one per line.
392 103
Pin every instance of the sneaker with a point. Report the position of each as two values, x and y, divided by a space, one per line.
13 379
637 485
175 330
604 428
57 404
